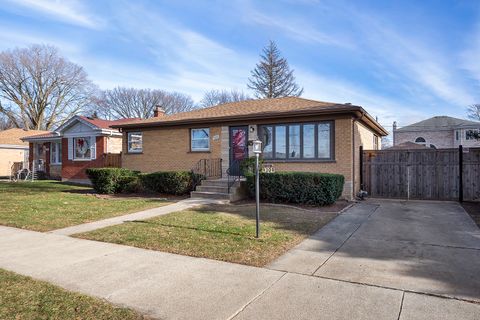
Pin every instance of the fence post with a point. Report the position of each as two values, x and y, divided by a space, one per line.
361 167
460 173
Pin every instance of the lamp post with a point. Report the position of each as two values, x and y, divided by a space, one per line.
257 149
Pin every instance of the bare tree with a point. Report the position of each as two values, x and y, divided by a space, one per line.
39 89
473 112
215 97
5 123
123 102
272 77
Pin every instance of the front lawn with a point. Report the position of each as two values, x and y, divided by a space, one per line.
25 298
222 232
49 205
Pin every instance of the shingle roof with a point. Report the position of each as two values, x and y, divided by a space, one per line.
107 124
250 109
439 123
13 136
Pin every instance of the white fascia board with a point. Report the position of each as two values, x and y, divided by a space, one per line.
13 146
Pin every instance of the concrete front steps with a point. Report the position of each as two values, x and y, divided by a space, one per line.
218 189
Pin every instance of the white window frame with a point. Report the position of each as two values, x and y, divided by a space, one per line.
74 140
55 157
192 139
129 142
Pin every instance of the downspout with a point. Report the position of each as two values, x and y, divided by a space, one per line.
354 150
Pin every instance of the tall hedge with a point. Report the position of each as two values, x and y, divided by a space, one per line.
298 187
170 182
112 180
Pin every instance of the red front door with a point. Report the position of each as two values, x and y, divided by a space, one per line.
238 148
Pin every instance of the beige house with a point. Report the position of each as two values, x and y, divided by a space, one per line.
297 135
13 149
439 132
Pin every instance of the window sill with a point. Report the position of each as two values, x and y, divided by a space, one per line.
299 161
55 163
82 160
133 152
199 151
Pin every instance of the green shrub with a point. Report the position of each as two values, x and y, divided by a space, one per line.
247 166
298 187
113 180
170 182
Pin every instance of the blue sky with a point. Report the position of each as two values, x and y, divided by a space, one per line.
401 60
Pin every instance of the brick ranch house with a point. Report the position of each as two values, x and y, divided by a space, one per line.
297 135
80 143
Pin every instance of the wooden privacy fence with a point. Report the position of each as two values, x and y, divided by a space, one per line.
113 160
436 174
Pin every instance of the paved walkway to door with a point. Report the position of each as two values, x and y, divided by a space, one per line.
141 215
375 261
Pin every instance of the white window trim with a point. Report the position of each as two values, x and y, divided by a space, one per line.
128 142
59 156
192 149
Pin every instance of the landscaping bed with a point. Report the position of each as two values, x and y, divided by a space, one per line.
221 232
25 298
48 205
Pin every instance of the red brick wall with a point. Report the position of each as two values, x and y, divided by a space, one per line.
76 169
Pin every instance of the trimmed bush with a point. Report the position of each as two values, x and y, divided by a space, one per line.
113 180
170 182
298 187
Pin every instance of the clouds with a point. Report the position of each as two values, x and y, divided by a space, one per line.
363 55
69 11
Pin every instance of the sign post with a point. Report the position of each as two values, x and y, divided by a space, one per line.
257 149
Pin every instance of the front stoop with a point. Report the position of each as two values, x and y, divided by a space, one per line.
218 189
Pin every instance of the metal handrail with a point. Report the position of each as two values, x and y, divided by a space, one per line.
207 168
232 178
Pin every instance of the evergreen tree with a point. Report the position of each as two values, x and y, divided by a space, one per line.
272 77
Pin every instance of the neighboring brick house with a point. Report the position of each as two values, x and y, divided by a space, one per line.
439 132
80 143
13 149
297 134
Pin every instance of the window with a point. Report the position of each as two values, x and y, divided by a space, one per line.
421 140
280 142
457 135
323 140
200 139
471 134
135 142
298 141
308 141
267 139
375 142
56 153
294 141
82 148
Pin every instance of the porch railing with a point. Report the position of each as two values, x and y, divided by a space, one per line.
234 173
209 168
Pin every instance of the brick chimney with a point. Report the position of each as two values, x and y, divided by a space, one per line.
158 112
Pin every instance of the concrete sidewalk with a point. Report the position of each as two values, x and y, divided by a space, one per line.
141 215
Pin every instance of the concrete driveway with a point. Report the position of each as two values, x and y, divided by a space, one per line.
424 247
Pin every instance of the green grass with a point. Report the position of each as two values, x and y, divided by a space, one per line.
222 232
49 205
25 298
